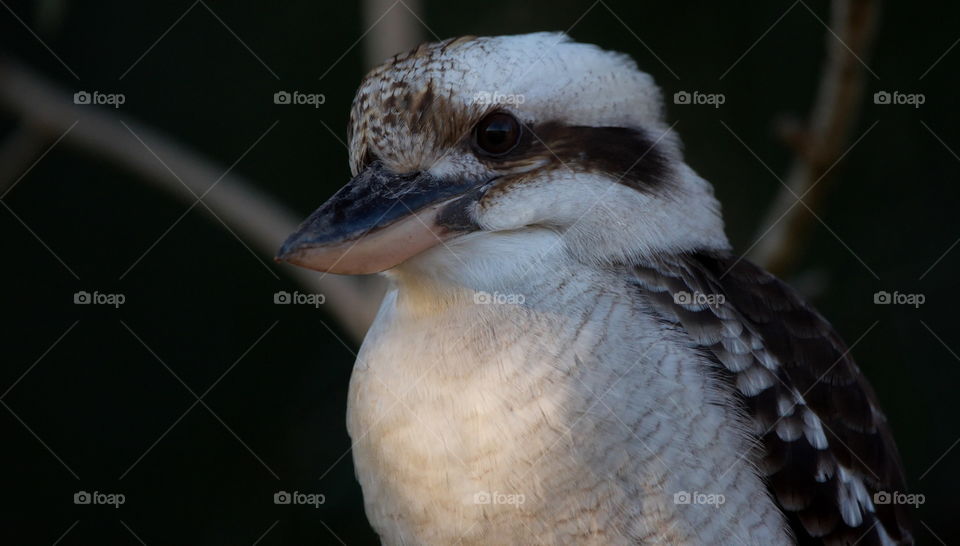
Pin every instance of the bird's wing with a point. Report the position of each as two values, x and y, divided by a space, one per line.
828 449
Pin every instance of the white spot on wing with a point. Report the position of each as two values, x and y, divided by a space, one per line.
754 380
813 430
736 346
732 328
789 429
735 362
785 405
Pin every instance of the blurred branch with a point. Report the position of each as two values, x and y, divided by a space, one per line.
47 112
392 27
820 144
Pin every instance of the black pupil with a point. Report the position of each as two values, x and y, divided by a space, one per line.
498 133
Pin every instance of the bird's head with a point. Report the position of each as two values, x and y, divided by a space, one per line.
477 137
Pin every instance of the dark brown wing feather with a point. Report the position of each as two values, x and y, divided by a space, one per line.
828 449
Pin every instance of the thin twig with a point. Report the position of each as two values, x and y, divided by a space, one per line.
820 145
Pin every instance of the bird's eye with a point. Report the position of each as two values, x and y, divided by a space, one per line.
497 133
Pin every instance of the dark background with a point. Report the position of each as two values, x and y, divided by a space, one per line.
199 300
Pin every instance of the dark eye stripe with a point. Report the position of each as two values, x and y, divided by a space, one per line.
630 156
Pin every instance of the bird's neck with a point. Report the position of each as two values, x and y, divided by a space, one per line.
510 267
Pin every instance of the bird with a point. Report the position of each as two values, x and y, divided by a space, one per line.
569 351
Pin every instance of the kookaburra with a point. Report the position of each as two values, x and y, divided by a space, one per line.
569 353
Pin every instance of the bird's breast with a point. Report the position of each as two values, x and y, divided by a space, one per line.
561 415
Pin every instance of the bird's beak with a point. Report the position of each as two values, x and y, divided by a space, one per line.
378 220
